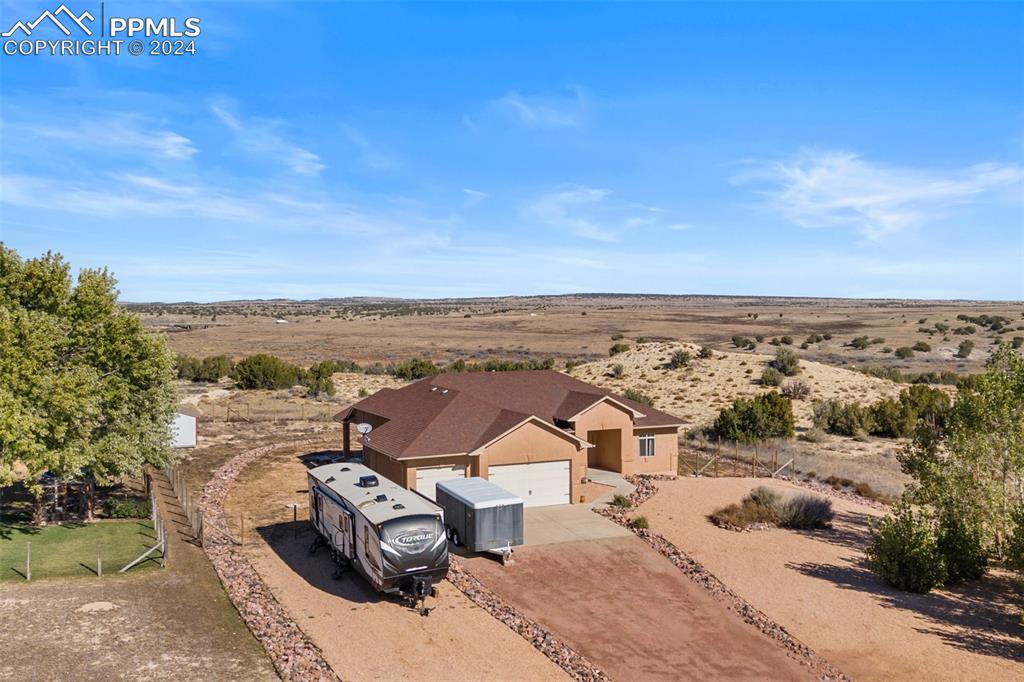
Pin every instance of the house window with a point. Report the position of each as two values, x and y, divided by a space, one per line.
647 446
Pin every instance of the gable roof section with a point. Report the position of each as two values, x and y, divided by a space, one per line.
461 412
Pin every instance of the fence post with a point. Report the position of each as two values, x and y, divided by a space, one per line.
99 561
28 560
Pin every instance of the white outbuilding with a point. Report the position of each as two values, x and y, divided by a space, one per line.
184 430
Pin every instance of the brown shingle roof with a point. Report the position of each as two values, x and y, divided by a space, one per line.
459 412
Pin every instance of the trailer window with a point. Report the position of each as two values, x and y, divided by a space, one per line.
647 446
366 540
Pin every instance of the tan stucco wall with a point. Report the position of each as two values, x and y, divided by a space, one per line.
666 452
605 416
532 442
385 466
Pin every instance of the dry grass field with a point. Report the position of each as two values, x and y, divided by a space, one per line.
574 327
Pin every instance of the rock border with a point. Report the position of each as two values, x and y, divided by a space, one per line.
563 655
293 654
693 569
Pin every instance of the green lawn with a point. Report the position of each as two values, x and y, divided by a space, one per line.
70 550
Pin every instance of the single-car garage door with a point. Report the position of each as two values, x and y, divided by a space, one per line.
426 479
539 484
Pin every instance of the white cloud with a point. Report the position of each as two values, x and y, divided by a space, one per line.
562 209
475 195
830 188
120 132
263 138
589 213
540 111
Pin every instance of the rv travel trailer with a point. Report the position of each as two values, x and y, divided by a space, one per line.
391 536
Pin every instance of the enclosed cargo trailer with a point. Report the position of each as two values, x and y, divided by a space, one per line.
480 515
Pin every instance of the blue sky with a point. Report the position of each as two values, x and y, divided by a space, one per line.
429 150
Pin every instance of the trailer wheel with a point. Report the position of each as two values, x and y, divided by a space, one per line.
455 538
433 592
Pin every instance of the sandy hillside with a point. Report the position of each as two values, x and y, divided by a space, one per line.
698 392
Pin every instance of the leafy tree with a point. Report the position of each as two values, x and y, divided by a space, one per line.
266 372
969 474
751 420
844 419
84 389
904 551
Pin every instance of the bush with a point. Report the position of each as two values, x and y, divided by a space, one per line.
639 396
771 377
813 435
786 362
922 347
860 343
704 353
743 342
620 500
618 371
756 419
618 348
639 523
262 371
414 369
805 511
889 419
796 390
904 551
363 392
126 509
764 496
960 541
904 352
965 348
844 419
680 359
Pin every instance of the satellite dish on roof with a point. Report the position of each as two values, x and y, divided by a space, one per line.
364 428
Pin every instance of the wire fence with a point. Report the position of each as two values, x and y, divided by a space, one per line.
245 412
189 505
702 457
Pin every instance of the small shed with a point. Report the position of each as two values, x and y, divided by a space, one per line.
480 515
184 430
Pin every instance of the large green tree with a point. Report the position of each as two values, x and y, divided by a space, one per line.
84 389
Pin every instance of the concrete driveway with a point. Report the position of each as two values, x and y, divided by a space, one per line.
566 523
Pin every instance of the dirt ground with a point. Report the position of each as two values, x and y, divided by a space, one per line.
363 635
634 614
173 623
569 327
816 584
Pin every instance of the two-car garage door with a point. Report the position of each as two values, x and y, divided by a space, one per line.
426 479
539 484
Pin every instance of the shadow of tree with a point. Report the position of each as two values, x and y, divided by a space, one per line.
982 616
849 530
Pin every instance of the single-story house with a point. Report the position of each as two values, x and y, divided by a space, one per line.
533 433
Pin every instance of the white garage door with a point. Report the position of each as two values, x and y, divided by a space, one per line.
539 484
426 479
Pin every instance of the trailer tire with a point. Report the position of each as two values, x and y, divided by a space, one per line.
455 538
